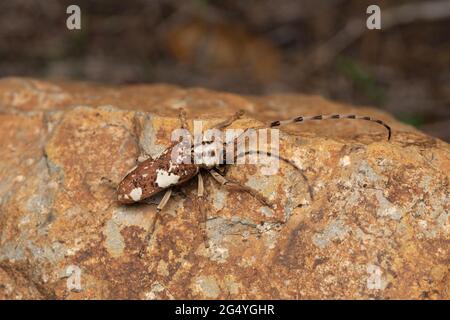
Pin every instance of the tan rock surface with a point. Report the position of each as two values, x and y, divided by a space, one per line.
378 226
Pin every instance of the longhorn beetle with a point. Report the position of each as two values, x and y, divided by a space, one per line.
153 176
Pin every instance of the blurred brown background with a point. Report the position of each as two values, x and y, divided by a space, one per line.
252 47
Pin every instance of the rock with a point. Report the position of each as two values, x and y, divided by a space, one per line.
377 227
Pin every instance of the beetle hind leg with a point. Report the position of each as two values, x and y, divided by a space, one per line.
287 161
156 218
234 185
201 203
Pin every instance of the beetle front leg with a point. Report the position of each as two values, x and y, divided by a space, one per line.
184 125
228 122
157 216
182 117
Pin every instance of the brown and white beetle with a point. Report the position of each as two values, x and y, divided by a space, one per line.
153 176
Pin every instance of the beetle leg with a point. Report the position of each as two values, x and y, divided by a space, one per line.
286 160
182 117
229 121
138 123
142 157
201 188
220 169
234 185
108 182
157 216
200 192
164 200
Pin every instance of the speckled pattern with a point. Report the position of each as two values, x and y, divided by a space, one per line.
378 226
152 176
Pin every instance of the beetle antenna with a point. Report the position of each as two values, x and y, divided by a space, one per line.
333 117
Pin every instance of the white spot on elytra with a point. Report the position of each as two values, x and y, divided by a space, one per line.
165 179
136 194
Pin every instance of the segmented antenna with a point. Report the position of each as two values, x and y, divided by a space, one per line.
333 116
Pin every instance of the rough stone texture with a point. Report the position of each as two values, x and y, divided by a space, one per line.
378 226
